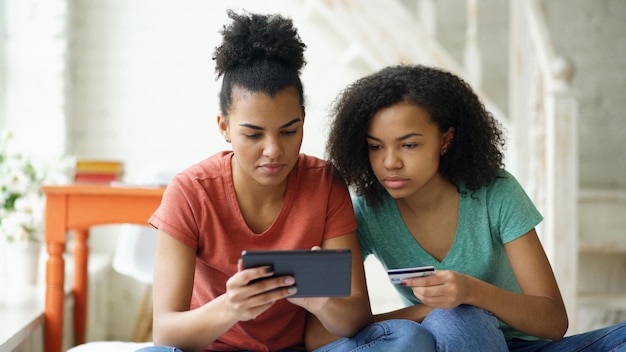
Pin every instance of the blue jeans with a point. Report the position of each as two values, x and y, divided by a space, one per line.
159 349
468 328
174 349
609 339
465 328
389 335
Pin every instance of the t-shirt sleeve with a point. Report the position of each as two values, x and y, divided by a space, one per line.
175 215
511 212
340 214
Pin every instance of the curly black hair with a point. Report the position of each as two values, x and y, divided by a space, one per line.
260 53
474 156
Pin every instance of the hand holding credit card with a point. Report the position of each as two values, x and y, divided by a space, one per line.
397 275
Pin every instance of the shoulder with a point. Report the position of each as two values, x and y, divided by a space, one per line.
216 165
311 167
503 180
510 209
502 185
373 213
309 162
505 185
505 189
379 226
202 174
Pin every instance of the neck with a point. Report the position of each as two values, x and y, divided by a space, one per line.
249 191
431 197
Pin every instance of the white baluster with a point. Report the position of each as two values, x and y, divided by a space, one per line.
428 16
562 181
471 53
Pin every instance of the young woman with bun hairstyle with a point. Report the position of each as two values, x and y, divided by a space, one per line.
424 158
261 195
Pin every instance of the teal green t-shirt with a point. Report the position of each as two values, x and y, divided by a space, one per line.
488 218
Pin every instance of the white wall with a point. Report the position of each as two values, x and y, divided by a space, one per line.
33 75
143 87
2 68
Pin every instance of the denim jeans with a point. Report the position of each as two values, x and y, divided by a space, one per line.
609 339
467 328
159 349
174 349
390 335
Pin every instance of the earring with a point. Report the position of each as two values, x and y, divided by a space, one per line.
444 150
227 140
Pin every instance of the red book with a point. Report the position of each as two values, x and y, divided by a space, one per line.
93 177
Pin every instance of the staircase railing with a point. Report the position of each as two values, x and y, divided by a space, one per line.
381 33
543 113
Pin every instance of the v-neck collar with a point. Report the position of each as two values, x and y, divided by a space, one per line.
234 204
409 240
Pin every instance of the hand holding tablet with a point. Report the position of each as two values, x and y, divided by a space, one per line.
319 273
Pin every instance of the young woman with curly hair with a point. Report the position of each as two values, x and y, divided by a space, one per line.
424 158
262 194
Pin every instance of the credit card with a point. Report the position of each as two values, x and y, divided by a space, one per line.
397 275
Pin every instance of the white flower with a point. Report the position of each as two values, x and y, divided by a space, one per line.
21 201
17 226
59 172
4 196
32 206
15 179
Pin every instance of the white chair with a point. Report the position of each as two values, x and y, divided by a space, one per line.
134 257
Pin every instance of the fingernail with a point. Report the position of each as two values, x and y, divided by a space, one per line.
290 280
269 269
292 290
403 283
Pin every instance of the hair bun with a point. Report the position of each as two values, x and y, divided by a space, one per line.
254 37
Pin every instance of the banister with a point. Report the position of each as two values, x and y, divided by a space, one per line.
544 111
558 69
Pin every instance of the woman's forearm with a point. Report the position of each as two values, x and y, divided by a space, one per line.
539 316
193 330
334 314
344 317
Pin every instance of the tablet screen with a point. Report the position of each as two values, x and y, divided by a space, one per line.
320 273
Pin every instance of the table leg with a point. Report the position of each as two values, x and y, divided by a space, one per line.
55 297
81 253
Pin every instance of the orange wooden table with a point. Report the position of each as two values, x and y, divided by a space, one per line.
76 208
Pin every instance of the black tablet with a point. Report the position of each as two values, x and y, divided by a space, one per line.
320 273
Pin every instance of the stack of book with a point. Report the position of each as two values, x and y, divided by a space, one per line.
98 171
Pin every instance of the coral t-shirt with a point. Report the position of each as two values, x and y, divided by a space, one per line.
200 209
